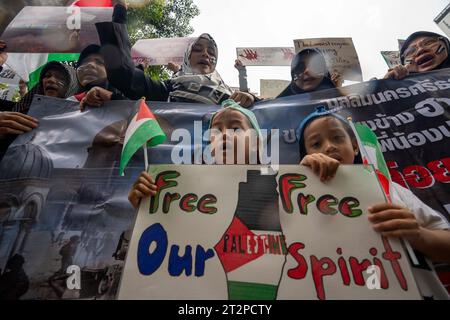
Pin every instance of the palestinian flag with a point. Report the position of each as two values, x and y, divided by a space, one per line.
253 250
143 128
28 66
371 154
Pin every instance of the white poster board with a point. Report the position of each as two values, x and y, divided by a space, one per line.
265 56
271 88
248 238
443 20
340 54
152 52
329 249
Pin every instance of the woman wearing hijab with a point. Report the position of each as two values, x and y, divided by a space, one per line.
56 80
309 73
423 51
197 81
93 86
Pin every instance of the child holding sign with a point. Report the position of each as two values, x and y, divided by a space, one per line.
327 141
243 146
236 138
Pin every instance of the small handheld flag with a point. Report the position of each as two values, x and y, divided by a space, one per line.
142 131
372 154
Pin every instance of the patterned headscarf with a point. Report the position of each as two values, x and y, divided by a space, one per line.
191 86
69 73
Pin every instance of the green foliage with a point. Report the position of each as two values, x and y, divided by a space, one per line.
161 19
177 15
141 20
158 72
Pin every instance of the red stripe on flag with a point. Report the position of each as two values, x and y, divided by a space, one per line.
384 184
384 181
232 259
80 96
93 3
445 279
144 112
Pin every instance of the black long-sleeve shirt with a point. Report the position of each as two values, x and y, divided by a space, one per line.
122 73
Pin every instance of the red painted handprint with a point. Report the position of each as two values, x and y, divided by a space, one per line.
288 54
249 54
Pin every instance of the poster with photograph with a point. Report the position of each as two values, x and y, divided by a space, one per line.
40 29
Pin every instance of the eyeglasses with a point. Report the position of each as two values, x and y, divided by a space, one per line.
427 44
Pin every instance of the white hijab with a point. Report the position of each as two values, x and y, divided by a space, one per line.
187 79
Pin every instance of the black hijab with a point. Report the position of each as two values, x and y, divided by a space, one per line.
87 51
293 89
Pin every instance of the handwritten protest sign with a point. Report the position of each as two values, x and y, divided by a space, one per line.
205 209
340 54
150 52
333 251
54 29
265 56
271 88
283 235
392 58
443 20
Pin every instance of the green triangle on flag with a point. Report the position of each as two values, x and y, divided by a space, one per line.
143 129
